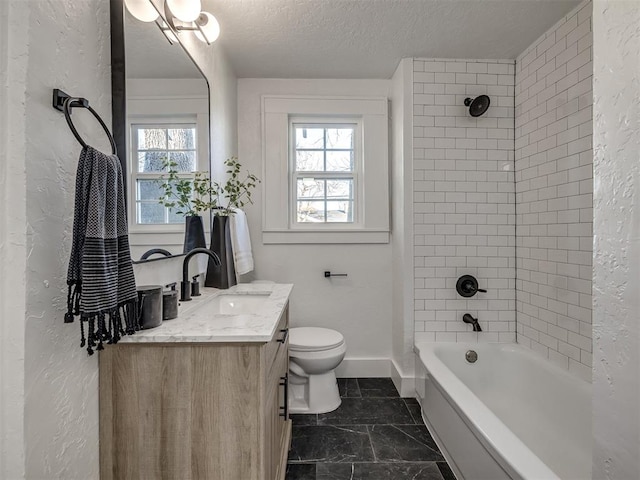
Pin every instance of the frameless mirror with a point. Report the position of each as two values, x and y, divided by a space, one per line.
160 115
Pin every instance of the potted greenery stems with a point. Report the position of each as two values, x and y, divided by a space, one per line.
188 197
233 194
192 196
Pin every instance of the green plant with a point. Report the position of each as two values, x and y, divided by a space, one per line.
236 191
191 196
188 196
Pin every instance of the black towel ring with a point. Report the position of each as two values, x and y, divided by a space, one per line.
72 102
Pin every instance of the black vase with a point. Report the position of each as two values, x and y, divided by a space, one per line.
223 276
193 233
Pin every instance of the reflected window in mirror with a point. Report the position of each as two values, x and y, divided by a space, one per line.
167 120
153 146
156 88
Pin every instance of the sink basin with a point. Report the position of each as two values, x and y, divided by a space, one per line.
234 304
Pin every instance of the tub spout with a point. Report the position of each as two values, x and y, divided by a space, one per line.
468 318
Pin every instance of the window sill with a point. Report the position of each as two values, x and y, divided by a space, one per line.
274 237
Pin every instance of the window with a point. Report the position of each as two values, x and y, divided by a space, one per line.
167 119
152 146
325 170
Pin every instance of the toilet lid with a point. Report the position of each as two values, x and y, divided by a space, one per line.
314 339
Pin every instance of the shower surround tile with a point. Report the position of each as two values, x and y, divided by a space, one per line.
554 193
464 199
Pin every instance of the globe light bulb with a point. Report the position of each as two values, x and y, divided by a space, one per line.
185 10
142 10
209 28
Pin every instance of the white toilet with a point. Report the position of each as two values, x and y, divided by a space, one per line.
314 353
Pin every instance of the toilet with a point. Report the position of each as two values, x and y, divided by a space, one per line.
314 353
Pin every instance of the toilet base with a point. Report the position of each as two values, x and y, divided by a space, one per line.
314 394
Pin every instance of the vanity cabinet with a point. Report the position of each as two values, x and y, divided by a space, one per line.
200 411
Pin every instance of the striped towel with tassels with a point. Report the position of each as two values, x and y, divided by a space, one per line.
102 288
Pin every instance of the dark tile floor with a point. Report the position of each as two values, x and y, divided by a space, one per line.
374 435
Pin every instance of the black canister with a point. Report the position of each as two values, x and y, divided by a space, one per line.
150 306
169 304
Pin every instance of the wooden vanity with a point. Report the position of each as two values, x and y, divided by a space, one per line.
201 410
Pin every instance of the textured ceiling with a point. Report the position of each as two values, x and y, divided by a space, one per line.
367 38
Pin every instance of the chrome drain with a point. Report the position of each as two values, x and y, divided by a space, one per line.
471 356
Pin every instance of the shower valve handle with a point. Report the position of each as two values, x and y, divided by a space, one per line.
467 286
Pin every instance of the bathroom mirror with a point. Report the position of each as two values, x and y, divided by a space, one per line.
160 112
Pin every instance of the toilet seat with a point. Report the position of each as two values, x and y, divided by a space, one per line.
314 339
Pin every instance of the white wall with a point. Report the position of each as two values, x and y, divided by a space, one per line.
463 199
68 48
359 305
401 225
616 292
49 401
554 185
13 253
223 92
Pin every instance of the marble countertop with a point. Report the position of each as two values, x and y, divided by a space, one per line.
198 324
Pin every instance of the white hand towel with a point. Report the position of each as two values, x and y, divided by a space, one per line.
241 243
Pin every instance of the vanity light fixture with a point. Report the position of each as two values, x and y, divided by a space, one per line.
167 32
143 10
176 16
184 10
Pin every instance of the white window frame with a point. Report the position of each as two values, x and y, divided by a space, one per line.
201 164
278 112
135 175
355 174
151 101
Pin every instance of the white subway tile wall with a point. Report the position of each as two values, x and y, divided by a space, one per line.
464 199
554 186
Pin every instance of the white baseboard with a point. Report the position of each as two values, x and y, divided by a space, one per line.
405 385
364 367
377 367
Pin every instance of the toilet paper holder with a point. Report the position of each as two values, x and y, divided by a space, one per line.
328 274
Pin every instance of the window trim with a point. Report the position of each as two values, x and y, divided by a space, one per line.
202 157
355 174
135 175
276 113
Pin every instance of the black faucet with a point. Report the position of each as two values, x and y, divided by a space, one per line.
185 285
467 318
153 251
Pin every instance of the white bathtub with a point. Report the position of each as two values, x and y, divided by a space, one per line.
510 415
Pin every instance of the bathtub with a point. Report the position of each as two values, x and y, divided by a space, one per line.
509 415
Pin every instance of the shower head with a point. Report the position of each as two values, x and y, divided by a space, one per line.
477 106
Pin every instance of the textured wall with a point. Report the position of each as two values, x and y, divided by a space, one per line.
358 306
463 199
13 253
554 160
69 49
616 302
